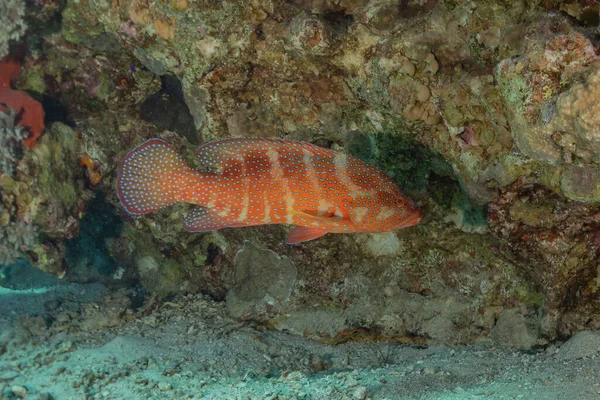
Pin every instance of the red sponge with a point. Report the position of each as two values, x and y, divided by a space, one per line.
30 113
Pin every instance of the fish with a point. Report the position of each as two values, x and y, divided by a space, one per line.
257 181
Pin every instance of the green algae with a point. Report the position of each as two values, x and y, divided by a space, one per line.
474 215
410 163
515 89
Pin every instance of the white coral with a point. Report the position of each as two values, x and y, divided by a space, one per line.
11 142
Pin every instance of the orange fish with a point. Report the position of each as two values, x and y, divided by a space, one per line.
251 181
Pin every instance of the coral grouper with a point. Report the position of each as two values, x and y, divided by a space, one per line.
250 181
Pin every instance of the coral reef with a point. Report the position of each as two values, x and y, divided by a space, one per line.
262 281
484 112
557 244
42 203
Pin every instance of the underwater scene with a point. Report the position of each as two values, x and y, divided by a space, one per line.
300 199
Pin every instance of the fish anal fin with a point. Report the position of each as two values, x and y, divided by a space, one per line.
303 234
202 219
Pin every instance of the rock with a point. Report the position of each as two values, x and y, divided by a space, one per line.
14 338
440 329
168 110
581 345
196 99
383 244
263 281
19 391
533 83
8 375
60 188
360 393
108 313
161 278
309 35
512 330
581 183
547 234
577 115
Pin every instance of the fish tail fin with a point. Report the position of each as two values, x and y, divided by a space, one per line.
152 176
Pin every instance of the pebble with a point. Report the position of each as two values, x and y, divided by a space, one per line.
351 382
581 345
422 92
19 391
295 376
360 393
408 67
432 64
8 375
163 386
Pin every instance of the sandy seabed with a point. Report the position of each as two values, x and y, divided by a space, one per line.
67 341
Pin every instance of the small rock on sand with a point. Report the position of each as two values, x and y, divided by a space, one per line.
581 345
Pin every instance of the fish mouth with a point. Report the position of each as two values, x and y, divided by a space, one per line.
413 220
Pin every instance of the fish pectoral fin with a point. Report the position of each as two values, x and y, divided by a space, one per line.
203 219
333 223
323 225
303 234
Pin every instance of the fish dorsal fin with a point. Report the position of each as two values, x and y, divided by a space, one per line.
215 155
202 219
303 234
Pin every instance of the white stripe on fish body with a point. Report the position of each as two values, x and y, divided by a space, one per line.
311 174
278 177
267 206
